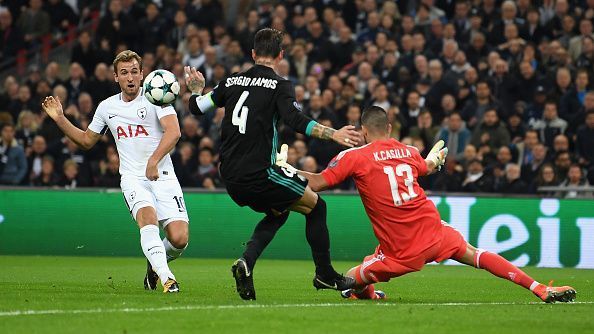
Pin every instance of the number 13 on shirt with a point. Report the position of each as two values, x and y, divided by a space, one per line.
240 119
400 171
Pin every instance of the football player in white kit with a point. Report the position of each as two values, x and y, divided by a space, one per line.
144 136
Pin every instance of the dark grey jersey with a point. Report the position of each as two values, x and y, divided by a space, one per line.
254 101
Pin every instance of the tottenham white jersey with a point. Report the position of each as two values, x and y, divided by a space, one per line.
137 132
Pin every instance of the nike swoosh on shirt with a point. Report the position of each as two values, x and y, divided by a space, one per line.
111 116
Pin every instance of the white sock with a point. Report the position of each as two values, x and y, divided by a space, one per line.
172 252
154 250
534 285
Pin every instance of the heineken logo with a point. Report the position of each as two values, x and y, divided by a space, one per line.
537 232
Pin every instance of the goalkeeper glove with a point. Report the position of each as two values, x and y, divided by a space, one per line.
281 159
438 154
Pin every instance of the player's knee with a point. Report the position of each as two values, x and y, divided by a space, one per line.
177 234
179 241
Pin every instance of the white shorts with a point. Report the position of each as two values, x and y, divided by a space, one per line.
164 195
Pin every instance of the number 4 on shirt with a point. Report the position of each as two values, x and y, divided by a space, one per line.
238 119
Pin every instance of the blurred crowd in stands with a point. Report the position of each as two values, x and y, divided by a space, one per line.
506 84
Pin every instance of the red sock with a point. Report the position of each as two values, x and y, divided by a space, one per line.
500 267
367 293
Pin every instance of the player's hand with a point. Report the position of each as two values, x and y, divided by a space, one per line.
52 106
438 154
281 159
347 136
194 80
152 172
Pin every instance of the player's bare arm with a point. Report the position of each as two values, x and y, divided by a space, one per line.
171 134
315 180
346 136
84 139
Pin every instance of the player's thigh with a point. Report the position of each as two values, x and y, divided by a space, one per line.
306 203
169 201
453 245
138 196
294 188
379 268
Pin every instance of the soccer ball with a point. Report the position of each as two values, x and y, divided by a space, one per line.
161 87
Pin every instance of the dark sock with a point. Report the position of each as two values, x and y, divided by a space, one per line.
316 232
263 234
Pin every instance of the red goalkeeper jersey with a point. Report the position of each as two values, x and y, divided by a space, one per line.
404 221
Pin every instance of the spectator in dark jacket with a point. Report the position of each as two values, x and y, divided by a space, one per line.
551 125
547 177
573 101
440 86
475 108
117 27
425 130
70 178
48 176
513 184
35 159
151 26
185 164
539 158
323 150
68 151
110 175
34 22
207 175
62 16
476 179
490 132
85 53
101 83
11 37
585 142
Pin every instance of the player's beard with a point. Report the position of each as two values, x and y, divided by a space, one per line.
131 92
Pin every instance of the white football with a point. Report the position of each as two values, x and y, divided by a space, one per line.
161 87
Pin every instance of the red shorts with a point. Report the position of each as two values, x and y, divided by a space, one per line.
379 267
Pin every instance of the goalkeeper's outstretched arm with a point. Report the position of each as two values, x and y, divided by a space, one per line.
315 180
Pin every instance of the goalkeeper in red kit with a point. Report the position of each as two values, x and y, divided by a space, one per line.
407 224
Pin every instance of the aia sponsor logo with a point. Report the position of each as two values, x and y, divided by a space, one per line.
131 131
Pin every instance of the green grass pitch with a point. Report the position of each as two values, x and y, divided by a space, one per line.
105 295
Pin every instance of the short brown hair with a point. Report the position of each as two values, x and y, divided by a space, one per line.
126 56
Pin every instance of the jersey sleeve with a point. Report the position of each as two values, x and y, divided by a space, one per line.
201 104
340 168
165 111
419 161
290 111
98 124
